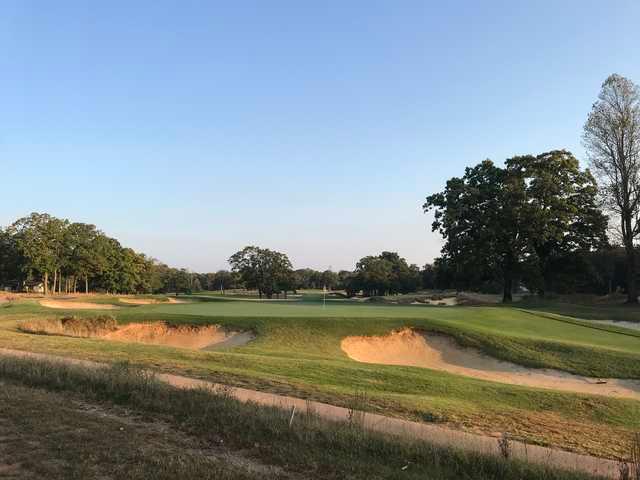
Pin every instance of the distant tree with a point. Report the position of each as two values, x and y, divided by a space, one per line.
181 281
387 273
263 269
196 286
373 275
38 240
224 280
329 279
9 261
80 241
612 139
428 274
347 281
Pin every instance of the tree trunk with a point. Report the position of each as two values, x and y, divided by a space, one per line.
86 284
632 287
55 279
45 281
508 287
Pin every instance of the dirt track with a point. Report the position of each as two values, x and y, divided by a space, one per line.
432 433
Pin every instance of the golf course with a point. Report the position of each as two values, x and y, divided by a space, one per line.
320 349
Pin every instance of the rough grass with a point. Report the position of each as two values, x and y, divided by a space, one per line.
59 435
306 448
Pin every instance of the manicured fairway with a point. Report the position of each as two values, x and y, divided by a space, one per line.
297 351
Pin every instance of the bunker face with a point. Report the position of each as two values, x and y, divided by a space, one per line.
182 336
148 301
70 305
410 348
195 337
443 302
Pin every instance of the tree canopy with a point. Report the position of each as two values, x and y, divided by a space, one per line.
265 270
534 210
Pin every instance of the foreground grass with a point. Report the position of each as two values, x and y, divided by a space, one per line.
301 356
80 440
46 440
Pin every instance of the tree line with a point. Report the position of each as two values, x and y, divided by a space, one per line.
60 256
541 220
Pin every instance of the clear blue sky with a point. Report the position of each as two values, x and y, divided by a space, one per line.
190 129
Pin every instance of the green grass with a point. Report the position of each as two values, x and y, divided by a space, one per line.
618 312
298 352
87 444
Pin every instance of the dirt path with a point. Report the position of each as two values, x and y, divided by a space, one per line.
630 325
437 352
431 433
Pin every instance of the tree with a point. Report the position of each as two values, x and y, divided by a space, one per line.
561 210
612 139
481 217
39 239
329 279
266 270
80 241
387 273
9 260
428 275
373 275
223 280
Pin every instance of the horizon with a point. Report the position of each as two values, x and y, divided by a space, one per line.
315 130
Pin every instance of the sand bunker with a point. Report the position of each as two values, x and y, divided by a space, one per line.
443 302
195 337
68 305
410 348
149 301
182 336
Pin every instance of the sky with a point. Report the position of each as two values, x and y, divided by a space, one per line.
188 130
